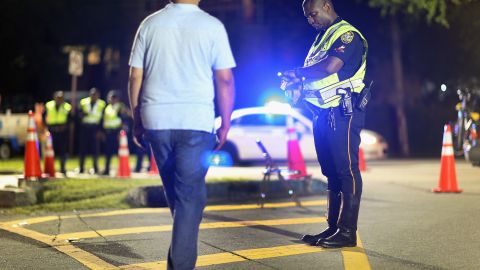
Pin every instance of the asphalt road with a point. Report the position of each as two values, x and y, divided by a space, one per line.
403 225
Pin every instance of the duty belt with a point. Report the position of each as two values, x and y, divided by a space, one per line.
326 94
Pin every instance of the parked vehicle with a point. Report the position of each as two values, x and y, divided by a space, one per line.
269 125
13 132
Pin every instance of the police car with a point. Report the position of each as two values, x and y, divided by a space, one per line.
268 123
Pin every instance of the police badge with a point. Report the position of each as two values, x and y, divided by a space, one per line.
347 37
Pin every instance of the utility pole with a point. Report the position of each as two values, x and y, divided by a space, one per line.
75 68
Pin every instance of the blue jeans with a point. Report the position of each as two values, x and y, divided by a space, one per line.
181 160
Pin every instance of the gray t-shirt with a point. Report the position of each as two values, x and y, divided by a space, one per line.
178 48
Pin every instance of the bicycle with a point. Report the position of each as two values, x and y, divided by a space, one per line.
465 134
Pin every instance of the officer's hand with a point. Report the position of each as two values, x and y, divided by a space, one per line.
222 133
294 83
293 94
289 75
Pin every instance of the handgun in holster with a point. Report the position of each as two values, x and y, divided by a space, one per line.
346 103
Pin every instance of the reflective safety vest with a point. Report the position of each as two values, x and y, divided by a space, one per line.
111 118
325 89
92 114
57 117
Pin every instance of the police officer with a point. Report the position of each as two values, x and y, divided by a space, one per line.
331 83
112 124
91 111
57 116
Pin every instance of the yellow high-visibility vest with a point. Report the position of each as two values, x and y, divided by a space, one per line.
328 85
57 117
92 114
111 118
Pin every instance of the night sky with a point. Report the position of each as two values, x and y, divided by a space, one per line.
34 36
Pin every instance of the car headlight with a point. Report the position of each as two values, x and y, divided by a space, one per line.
218 158
368 139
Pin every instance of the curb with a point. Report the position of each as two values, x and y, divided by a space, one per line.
23 194
234 192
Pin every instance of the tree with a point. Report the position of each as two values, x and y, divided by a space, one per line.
433 11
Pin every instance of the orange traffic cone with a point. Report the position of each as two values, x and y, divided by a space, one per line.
32 159
153 165
362 165
448 177
296 163
123 153
49 157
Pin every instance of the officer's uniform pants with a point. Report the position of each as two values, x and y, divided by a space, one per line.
60 142
141 153
337 141
88 145
111 146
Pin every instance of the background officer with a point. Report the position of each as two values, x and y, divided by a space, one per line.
91 111
114 112
57 117
331 81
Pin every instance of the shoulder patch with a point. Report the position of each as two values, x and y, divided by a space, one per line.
347 37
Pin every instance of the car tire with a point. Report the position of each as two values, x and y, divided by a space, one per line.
5 151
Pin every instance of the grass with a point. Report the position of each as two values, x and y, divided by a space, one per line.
77 194
81 194
61 195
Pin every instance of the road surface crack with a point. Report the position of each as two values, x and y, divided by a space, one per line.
239 255
59 226
88 226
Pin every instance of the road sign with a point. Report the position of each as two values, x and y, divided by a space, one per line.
75 63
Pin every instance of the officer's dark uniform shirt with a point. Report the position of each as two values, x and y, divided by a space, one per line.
349 50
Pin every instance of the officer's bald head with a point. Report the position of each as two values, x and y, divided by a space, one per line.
58 96
195 2
318 2
319 13
94 94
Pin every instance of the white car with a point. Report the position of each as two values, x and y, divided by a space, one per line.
269 125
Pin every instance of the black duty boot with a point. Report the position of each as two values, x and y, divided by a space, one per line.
346 235
333 209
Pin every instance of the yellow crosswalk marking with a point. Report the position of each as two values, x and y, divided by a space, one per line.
354 258
203 226
138 211
88 259
243 255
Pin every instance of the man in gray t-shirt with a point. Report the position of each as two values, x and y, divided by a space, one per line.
176 54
